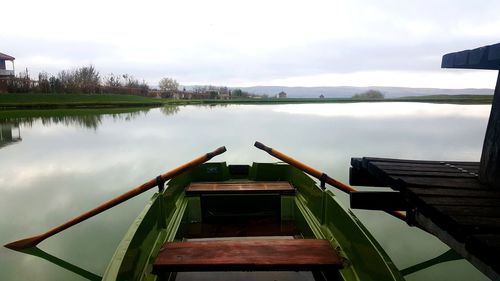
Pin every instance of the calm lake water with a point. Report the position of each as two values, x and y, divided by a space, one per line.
57 164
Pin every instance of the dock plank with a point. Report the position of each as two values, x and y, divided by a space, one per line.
478 211
466 183
463 211
453 192
431 174
247 255
459 201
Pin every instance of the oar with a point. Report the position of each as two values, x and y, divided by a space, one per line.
33 241
315 173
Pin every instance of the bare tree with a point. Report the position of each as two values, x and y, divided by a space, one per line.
168 84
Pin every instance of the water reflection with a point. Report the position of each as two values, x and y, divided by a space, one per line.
10 133
61 169
84 118
384 110
170 110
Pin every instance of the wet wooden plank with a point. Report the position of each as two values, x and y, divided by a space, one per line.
466 183
453 193
424 168
430 174
409 166
462 221
459 201
281 187
412 161
393 160
247 255
470 211
390 173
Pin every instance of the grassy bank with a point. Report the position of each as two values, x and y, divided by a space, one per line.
450 99
455 99
26 101
54 101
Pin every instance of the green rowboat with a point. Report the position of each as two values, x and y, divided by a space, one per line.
214 221
268 217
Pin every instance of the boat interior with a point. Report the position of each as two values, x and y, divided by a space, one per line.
267 221
237 229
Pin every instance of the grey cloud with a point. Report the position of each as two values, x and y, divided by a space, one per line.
62 49
389 48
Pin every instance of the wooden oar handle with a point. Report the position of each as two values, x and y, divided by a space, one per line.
305 168
216 152
260 145
315 173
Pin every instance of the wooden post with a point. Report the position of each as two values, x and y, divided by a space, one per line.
489 168
486 57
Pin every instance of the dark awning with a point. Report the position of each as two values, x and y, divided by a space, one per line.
6 57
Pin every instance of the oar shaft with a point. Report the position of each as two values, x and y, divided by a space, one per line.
315 173
32 241
303 167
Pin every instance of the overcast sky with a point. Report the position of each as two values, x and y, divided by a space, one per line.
244 43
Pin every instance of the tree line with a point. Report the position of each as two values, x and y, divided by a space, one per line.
82 80
370 94
88 80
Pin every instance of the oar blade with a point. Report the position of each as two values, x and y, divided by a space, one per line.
24 243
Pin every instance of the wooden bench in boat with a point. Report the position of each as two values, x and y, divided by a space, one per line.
281 187
247 255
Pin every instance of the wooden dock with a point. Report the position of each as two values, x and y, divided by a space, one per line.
458 202
444 198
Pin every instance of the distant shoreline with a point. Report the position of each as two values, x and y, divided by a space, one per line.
58 101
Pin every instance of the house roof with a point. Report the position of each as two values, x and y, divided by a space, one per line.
6 57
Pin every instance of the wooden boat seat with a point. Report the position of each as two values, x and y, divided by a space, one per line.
281 187
247 255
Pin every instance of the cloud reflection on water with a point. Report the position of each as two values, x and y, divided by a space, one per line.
386 110
61 168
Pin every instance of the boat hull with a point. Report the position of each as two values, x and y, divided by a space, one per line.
314 212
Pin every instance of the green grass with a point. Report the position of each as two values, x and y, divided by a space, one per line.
452 99
73 100
53 101
456 99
